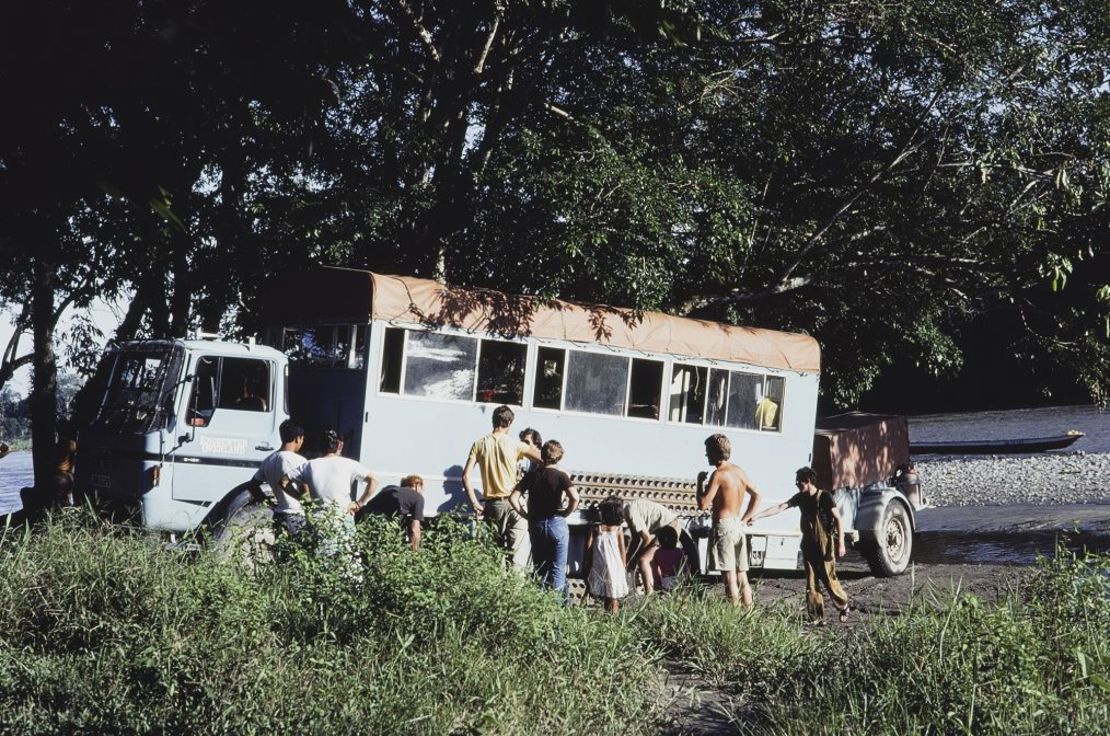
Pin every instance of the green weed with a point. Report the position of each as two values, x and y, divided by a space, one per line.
1037 662
102 631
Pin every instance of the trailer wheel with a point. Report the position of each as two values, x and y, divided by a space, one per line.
889 549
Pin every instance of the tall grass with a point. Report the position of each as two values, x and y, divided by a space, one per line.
1037 662
103 632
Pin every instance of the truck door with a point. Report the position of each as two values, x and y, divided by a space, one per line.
230 420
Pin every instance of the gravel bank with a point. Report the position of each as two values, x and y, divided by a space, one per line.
1049 478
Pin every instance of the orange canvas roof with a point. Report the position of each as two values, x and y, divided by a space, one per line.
330 294
430 303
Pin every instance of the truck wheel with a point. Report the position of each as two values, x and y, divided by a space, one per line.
245 532
888 551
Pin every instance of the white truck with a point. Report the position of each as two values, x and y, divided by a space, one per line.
409 370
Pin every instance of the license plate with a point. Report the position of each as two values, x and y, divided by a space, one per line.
101 481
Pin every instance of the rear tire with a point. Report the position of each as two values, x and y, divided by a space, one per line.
889 550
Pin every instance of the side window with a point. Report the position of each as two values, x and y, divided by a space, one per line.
392 354
717 398
550 368
688 385
745 391
326 346
769 411
501 372
644 387
596 383
244 385
440 366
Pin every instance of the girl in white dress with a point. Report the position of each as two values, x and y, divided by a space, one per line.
608 578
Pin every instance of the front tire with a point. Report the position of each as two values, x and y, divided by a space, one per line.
888 550
245 532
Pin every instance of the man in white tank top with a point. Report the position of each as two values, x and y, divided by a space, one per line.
329 479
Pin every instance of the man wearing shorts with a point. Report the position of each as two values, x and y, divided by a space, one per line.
725 494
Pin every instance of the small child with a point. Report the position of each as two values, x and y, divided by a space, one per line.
605 547
669 562
822 542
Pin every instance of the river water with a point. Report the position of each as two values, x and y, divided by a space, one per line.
1016 424
16 471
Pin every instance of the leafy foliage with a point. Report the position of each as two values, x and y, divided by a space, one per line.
893 179
105 633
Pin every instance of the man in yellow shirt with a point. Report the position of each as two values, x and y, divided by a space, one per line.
497 456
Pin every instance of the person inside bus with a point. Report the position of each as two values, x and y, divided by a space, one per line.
404 502
725 493
248 399
328 480
551 499
496 455
822 542
276 470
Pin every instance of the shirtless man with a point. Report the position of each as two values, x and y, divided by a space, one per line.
725 493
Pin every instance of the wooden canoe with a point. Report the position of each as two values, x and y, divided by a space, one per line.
995 447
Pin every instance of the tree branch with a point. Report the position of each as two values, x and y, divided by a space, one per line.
480 66
8 368
909 147
421 32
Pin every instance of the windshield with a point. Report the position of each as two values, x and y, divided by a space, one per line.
139 386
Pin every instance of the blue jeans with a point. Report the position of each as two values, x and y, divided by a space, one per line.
550 541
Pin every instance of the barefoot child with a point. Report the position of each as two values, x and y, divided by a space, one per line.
668 564
605 549
819 547
728 484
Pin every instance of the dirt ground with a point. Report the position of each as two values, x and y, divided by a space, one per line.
873 597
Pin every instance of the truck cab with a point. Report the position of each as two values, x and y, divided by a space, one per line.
180 424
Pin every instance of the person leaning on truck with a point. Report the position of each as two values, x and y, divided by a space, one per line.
328 480
404 502
728 552
496 456
275 470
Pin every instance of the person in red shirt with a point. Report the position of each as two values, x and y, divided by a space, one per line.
668 564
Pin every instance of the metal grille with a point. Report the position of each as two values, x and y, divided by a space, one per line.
678 495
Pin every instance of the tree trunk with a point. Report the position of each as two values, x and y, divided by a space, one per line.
182 287
44 389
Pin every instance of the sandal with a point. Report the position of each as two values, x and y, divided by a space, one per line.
844 614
